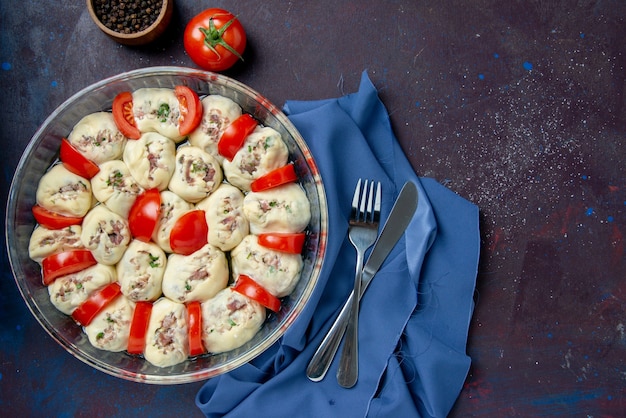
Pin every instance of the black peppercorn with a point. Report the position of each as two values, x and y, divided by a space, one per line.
127 16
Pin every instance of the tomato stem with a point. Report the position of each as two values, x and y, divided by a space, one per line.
214 37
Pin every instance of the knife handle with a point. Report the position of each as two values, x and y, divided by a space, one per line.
323 357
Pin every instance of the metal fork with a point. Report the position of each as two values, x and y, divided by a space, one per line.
362 234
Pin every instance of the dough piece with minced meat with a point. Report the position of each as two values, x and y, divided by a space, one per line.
198 276
172 208
140 271
217 113
224 216
157 110
167 341
110 329
263 151
229 320
97 138
197 174
281 209
45 242
70 291
277 272
61 191
151 160
106 234
116 187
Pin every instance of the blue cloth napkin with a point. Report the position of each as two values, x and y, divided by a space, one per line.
414 316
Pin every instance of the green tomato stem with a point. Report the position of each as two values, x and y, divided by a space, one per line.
214 37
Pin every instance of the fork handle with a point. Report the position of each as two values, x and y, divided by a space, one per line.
348 371
323 357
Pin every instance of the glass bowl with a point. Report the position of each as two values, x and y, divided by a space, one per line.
42 151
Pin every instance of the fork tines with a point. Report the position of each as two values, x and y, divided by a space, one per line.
366 195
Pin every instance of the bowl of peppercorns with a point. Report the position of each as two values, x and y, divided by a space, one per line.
131 22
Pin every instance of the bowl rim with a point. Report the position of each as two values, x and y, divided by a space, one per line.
167 4
193 375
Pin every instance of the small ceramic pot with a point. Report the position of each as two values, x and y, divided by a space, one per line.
137 38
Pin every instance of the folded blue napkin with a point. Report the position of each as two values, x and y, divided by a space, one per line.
414 316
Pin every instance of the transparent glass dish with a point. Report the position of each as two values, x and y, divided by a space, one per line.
42 151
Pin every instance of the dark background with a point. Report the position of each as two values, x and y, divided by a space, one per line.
517 106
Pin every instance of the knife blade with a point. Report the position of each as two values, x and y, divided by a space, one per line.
401 214
397 222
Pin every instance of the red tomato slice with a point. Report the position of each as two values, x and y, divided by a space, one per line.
61 264
76 162
234 135
194 324
138 327
123 115
190 109
283 175
144 214
285 242
189 233
53 220
248 287
95 303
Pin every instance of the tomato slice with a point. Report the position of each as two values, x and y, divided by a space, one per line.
67 262
189 233
53 220
284 242
235 134
76 162
139 327
95 303
144 214
123 115
190 109
194 324
282 175
248 287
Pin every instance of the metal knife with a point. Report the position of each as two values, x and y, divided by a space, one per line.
397 222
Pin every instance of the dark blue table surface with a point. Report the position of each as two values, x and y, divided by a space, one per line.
517 106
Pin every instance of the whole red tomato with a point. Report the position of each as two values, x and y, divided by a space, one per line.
215 39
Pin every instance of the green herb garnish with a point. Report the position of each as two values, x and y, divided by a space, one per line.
115 179
163 112
154 261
